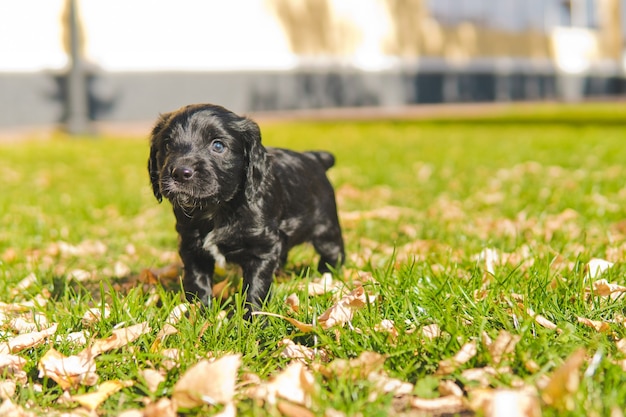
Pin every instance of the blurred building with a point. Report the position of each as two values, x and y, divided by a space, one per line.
142 57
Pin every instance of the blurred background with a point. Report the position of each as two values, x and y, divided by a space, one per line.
75 62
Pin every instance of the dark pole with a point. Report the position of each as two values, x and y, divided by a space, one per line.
77 117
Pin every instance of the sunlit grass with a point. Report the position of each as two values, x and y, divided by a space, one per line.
419 201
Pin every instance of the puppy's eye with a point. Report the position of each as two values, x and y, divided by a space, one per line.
218 146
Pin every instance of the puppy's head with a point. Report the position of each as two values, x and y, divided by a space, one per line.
203 155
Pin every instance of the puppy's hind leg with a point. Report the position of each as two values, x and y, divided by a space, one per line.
329 245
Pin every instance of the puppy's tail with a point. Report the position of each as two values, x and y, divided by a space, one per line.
325 158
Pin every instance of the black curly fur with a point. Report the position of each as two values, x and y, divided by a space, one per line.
236 199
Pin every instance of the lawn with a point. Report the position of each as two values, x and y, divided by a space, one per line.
485 274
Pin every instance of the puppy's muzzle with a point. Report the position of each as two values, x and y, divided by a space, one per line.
182 174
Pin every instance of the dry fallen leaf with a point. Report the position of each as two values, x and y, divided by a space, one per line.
596 267
95 315
21 286
164 407
503 345
431 331
387 326
293 350
9 409
506 402
13 365
153 378
343 311
322 285
67 371
357 368
491 258
386 385
27 340
564 382
603 288
119 338
293 410
541 320
208 382
295 383
600 326
467 352
448 404
293 302
7 389
92 400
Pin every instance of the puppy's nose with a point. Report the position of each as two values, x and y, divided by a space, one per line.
182 174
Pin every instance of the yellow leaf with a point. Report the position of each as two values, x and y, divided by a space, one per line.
92 400
208 382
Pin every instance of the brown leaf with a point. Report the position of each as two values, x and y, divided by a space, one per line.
447 404
324 284
293 410
357 368
13 365
467 352
564 382
9 409
600 326
303 327
343 311
67 371
293 302
431 331
95 315
8 387
119 338
27 340
208 382
295 383
541 320
295 351
92 400
164 407
506 402
603 288
386 385
153 379
503 345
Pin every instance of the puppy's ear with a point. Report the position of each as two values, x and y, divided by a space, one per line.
256 158
156 144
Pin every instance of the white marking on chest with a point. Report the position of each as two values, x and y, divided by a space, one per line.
210 246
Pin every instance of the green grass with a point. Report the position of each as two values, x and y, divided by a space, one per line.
419 200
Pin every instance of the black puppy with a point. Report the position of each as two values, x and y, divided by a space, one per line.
238 201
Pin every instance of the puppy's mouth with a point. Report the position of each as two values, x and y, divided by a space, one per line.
186 195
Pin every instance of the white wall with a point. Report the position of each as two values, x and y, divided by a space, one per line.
192 35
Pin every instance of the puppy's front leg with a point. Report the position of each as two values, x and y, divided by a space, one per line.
258 275
199 266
